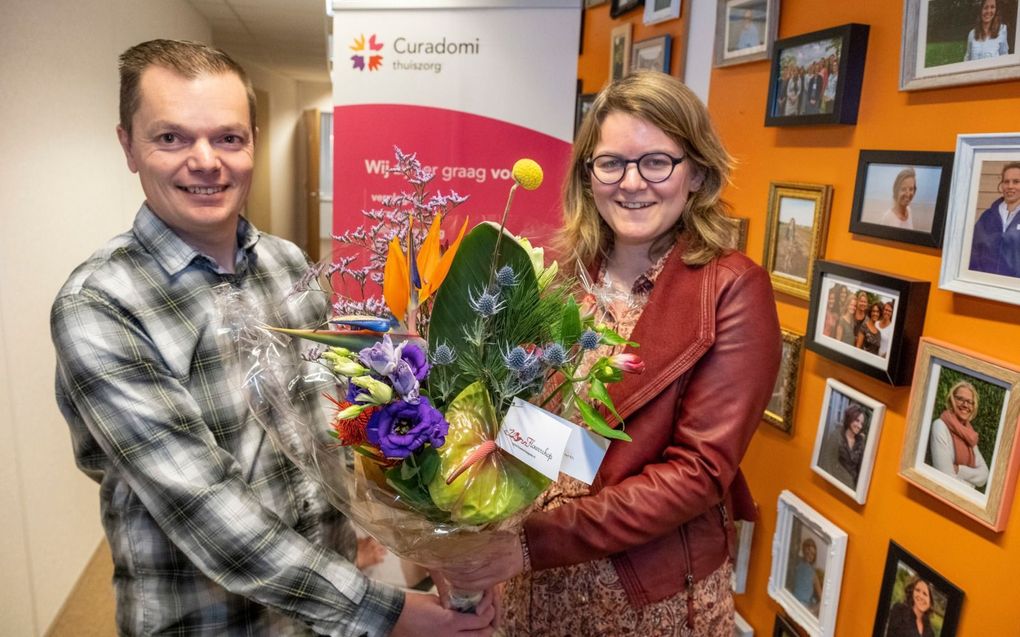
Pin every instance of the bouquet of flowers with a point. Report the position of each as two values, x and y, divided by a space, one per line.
397 410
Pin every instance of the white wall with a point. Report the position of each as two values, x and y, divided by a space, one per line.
64 190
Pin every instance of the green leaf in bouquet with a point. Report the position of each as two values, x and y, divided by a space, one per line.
415 495
598 424
610 337
570 323
597 391
495 487
408 470
428 464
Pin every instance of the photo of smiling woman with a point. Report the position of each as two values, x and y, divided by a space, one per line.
644 218
954 441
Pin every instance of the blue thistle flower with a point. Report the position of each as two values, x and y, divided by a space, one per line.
443 355
554 355
589 339
517 358
506 277
487 303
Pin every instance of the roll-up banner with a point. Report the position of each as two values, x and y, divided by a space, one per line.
470 86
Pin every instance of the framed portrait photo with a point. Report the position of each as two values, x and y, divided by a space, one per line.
619 51
911 588
661 10
902 195
808 552
798 216
745 533
652 54
952 43
981 254
960 444
847 439
779 411
868 320
745 30
618 7
816 77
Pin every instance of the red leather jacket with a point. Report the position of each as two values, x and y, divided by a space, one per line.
662 505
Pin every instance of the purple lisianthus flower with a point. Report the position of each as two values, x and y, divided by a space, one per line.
404 382
416 359
382 357
401 428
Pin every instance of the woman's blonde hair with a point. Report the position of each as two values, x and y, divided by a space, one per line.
666 103
952 393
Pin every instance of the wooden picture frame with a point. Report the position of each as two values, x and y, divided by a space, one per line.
618 7
742 223
780 409
903 573
745 31
884 179
833 333
657 11
847 466
805 585
651 54
801 92
979 483
936 46
619 51
795 230
979 257
745 535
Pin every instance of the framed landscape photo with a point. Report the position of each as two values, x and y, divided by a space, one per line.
808 552
949 43
779 411
902 195
745 30
847 439
798 215
961 434
652 54
618 7
662 10
816 77
911 588
619 51
879 340
980 256
745 533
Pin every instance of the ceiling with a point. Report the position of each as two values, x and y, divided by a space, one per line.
285 36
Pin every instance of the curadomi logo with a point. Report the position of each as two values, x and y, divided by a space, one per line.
410 54
360 53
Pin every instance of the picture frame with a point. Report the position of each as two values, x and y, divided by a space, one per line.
795 228
979 258
783 628
662 10
745 31
745 534
741 626
979 480
902 576
742 223
936 47
802 93
832 331
902 196
651 54
847 465
619 7
584 102
588 4
808 553
780 409
619 51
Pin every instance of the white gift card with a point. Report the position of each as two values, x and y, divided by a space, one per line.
584 453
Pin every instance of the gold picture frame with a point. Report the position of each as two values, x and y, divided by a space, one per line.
779 411
792 245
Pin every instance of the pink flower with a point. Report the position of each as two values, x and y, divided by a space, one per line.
630 363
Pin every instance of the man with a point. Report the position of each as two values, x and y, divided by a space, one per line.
996 245
813 90
213 531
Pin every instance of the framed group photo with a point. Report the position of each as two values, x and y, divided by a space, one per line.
980 256
797 221
960 444
816 77
912 591
745 30
847 439
868 320
902 195
652 54
952 43
661 10
808 553
619 51
779 411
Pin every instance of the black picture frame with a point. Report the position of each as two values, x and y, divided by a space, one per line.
618 7
853 46
881 164
909 299
899 559
784 628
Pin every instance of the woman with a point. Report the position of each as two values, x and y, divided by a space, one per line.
831 314
861 311
851 443
869 338
988 37
911 617
794 87
846 327
904 188
885 329
831 84
807 584
644 550
954 440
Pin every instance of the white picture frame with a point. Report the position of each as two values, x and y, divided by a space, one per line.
741 628
745 534
977 157
847 468
661 10
732 44
809 592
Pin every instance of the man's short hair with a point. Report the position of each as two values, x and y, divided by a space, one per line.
188 59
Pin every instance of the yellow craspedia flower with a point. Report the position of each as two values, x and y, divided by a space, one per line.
527 173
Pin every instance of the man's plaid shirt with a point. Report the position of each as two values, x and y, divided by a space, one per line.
213 530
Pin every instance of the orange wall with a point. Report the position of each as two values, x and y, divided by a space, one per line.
980 562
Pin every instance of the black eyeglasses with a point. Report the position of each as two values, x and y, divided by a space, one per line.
653 167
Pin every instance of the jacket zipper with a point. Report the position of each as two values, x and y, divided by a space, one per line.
688 628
